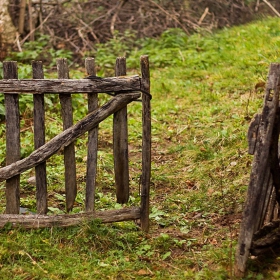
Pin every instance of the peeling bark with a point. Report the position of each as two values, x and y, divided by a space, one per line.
7 29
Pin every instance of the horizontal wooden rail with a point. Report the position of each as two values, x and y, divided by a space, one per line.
67 136
112 84
65 220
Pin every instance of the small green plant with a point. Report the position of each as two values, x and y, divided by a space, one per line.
39 50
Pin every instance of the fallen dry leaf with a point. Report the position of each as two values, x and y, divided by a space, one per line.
143 272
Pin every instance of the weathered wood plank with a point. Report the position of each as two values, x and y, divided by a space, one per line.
69 150
275 168
39 140
120 143
92 144
12 140
64 86
257 189
268 186
272 206
271 176
265 239
43 221
67 136
146 143
253 133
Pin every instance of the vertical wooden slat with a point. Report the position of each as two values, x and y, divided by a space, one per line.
92 144
257 189
268 185
69 151
39 140
120 143
272 206
12 139
146 143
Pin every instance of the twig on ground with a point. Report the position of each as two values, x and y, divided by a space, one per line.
172 16
271 7
31 32
257 5
203 16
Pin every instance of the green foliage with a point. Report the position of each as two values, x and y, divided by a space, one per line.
165 51
38 50
119 45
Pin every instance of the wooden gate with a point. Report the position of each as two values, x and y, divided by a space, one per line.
260 226
124 89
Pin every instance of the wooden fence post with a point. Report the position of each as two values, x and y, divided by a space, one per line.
92 144
260 180
39 140
69 151
12 139
120 143
146 143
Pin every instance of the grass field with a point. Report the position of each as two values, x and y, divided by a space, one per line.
206 88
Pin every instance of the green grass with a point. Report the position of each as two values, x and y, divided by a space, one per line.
204 96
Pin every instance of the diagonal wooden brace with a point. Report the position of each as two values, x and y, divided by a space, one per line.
67 136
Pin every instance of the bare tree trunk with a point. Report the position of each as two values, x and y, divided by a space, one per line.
7 29
21 16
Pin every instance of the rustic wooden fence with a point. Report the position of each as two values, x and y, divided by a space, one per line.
260 228
126 89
